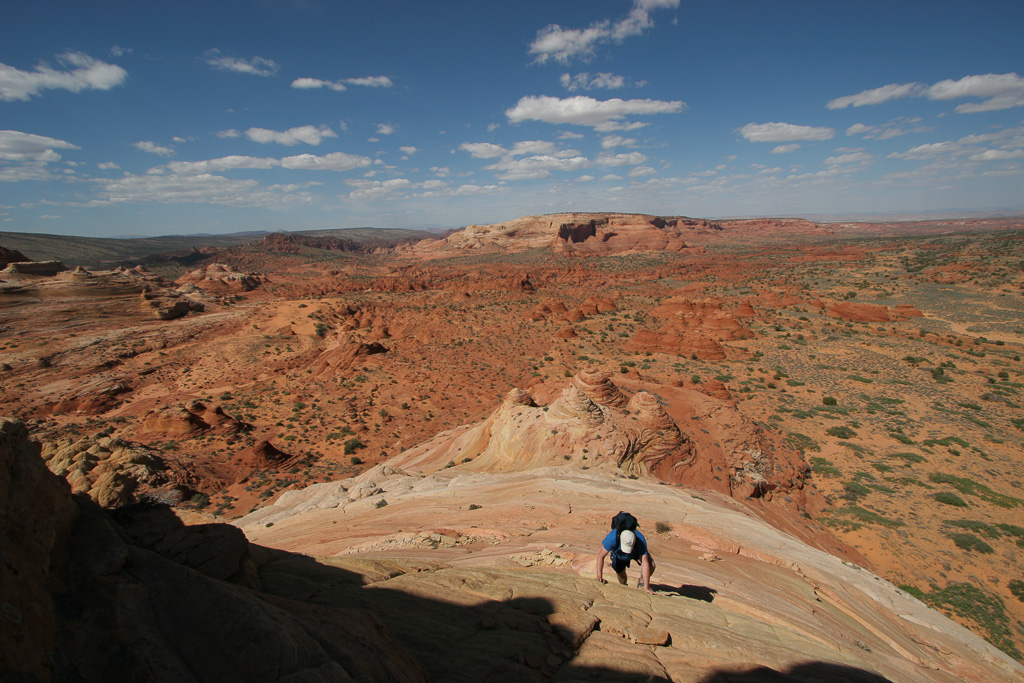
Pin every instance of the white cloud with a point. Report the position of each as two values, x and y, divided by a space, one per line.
379 189
641 171
153 148
569 135
997 155
609 141
930 151
229 133
891 129
483 150
463 191
539 147
81 72
30 171
201 188
441 171
336 161
311 135
256 66
371 81
786 149
385 129
999 91
784 132
603 115
534 167
893 91
340 85
107 166
626 159
848 158
314 83
118 51
408 150
566 44
583 81
215 165
18 146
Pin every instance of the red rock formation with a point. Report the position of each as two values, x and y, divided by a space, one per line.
265 455
596 385
343 357
174 422
690 328
219 277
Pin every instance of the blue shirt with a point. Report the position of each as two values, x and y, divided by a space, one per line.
639 548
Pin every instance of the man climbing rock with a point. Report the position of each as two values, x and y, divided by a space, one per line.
625 544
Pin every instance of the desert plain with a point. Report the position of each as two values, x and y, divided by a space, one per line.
409 446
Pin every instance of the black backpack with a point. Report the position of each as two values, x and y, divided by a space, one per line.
622 522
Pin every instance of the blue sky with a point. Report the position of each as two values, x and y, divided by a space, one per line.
133 118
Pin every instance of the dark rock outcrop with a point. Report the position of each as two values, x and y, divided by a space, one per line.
89 595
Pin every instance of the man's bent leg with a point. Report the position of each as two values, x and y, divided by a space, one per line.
620 571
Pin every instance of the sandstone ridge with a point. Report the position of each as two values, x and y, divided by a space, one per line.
734 596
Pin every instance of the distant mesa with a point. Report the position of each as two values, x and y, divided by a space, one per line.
583 234
290 243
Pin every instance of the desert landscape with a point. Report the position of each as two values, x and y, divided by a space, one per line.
415 442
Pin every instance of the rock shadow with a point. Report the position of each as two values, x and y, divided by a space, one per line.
702 593
807 672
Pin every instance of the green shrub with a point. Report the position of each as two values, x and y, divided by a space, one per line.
985 610
823 466
841 432
977 527
869 517
854 490
353 445
970 542
802 442
973 488
947 498
1017 588
662 527
828 400
910 457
